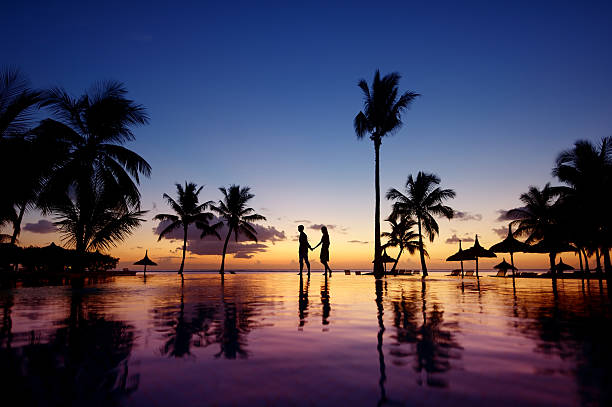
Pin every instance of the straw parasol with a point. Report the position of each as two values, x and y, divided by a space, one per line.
510 245
477 251
459 256
145 261
562 266
385 258
505 266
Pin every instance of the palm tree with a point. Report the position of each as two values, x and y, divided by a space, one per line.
587 170
95 223
17 103
97 165
188 210
401 236
236 215
381 116
538 219
423 200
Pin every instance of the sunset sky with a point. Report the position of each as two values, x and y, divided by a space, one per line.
265 96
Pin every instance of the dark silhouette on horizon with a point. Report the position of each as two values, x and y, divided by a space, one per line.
303 248
188 211
324 255
380 117
423 200
236 215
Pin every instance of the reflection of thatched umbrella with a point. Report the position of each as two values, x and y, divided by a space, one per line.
477 251
145 262
510 245
562 266
459 256
385 258
505 266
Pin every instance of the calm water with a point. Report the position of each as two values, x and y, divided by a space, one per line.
271 339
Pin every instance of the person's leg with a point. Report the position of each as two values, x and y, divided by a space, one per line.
301 264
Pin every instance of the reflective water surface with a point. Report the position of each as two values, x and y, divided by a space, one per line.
276 339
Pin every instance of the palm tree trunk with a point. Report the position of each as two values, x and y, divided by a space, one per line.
17 223
378 268
586 261
581 265
551 257
229 233
598 259
397 259
184 249
607 264
423 265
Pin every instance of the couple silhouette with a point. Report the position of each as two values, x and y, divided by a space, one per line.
304 246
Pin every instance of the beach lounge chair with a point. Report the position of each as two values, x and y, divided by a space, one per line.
401 271
416 272
408 272
501 273
347 272
469 273
455 273
357 273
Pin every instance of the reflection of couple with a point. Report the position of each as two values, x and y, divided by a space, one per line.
304 246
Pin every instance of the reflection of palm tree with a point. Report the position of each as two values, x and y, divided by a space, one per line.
538 219
303 301
381 116
379 341
434 343
238 217
85 361
231 332
403 236
188 211
423 201
325 301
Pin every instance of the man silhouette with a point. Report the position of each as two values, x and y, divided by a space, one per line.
303 250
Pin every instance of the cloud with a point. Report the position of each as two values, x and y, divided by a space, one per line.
460 215
210 245
42 226
302 221
358 241
455 239
318 226
503 215
501 231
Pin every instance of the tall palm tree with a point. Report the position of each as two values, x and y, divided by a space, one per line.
380 117
18 102
236 215
423 200
587 170
97 164
188 210
538 219
401 236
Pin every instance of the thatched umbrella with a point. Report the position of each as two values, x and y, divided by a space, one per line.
549 246
145 262
505 266
477 251
510 245
385 258
562 266
459 256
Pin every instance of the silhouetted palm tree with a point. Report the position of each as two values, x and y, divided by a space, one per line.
538 219
587 169
17 103
423 201
401 236
236 215
381 116
98 169
188 210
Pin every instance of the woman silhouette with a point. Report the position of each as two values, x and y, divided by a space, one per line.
324 256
